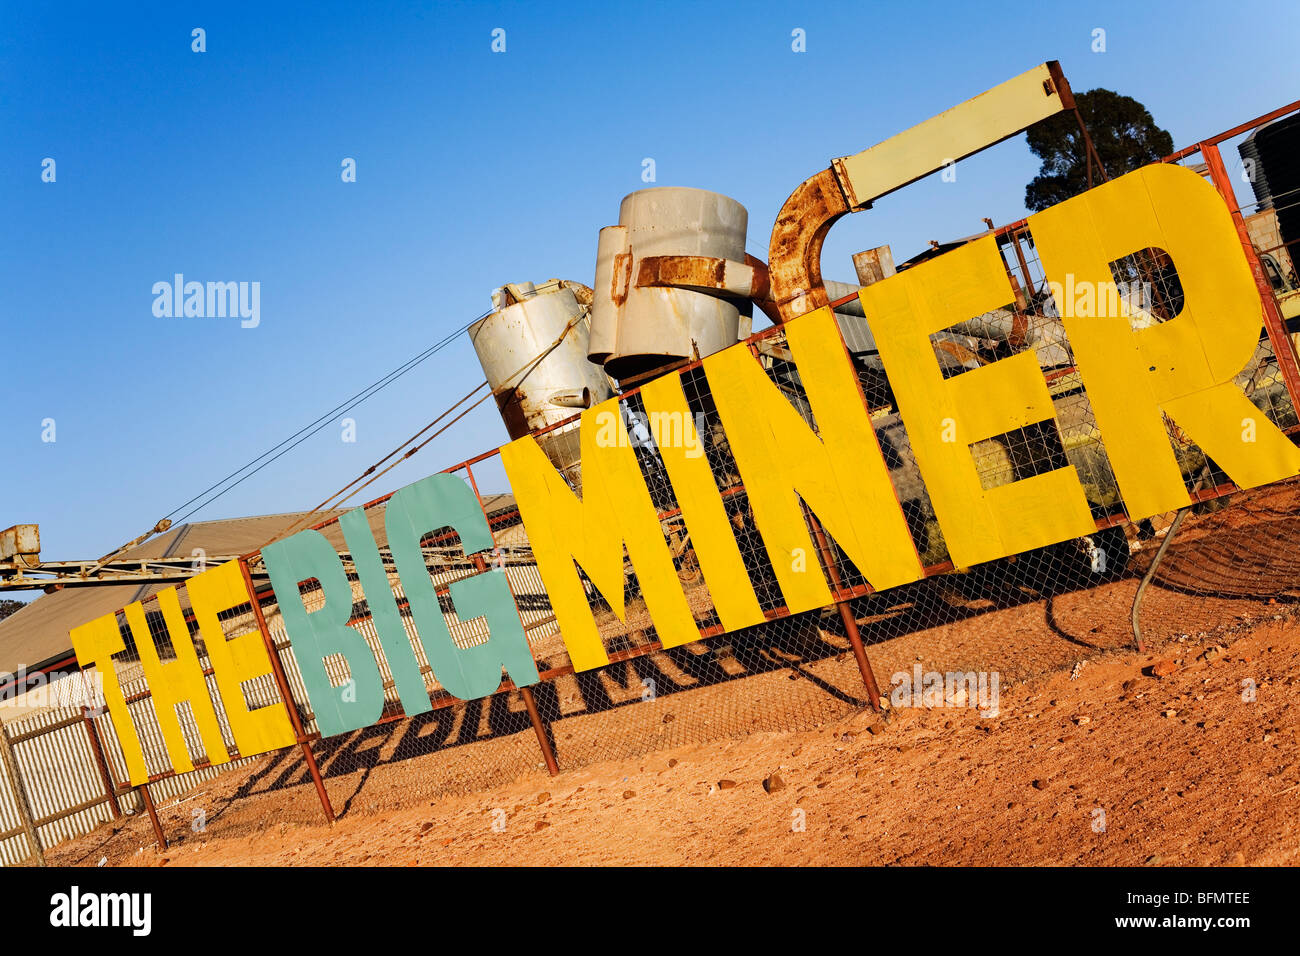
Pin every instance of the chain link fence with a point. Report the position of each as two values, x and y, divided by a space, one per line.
1191 577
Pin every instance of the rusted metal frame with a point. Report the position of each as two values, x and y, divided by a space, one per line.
55 817
1019 322
1059 373
1090 151
776 613
845 608
1235 131
282 682
841 593
530 703
1068 102
116 789
200 765
1011 227
1283 348
9 764
101 762
779 612
794 254
1280 245
838 589
12 832
846 611
1150 575
153 817
42 731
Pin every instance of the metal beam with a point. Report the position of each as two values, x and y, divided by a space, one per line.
852 183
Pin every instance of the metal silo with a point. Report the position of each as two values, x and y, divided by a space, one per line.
533 350
666 277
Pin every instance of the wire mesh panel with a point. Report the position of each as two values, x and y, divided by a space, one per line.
1189 577
187 801
406 757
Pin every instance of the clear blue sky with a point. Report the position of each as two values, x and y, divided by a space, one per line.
473 169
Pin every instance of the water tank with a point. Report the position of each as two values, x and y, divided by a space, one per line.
636 329
533 350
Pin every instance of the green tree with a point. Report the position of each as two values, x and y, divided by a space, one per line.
1123 133
9 606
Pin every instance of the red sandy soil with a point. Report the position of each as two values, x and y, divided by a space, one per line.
1185 770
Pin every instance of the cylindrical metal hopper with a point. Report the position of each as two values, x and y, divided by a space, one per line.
534 354
636 328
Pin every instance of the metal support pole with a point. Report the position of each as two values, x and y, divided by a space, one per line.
286 696
530 702
540 729
846 613
10 766
1089 150
1151 573
153 817
1024 264
97 748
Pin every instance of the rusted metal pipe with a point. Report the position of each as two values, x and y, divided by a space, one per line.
153 817
97 748
161 526
530 702
794 255
1283 348
1235 131
285 695
543 741
846 612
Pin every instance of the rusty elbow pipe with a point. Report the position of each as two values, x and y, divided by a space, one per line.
794 255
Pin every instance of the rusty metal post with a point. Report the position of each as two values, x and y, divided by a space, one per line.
9 764
530 702
287 696
97 748
1283 347
846 613
153 817
539 728
1090 151
1023 263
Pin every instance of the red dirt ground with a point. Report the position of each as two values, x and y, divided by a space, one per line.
1184 769
1091 759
